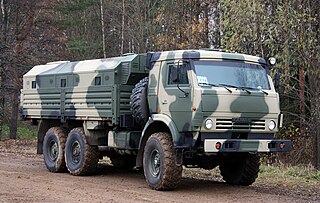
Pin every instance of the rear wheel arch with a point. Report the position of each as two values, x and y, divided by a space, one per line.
43 126
54 148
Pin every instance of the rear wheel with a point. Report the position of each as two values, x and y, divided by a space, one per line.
243 171
81 158
53 149
159 162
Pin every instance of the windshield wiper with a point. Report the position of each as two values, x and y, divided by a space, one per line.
215 85
252 88
245 89
239 88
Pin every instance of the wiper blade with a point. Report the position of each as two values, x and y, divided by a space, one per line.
252 88
245 89
215 85
239 88
210 84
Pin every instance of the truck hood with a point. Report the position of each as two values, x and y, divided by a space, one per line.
240 102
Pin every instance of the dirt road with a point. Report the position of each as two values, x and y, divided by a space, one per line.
24 178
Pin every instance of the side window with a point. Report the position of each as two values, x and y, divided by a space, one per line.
97 81
174 72
63 82
33 85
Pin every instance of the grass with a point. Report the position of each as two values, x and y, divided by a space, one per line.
273 173
24 131
302 180
291 173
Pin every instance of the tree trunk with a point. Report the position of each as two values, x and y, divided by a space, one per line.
314 75
122 27
21 35
206 24
302 101
14 114
3 26
103 30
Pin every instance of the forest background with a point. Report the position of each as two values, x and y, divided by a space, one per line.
35 32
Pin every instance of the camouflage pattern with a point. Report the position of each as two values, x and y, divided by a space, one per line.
185 115
182 109
82 98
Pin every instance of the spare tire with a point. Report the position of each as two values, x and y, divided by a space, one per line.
139 103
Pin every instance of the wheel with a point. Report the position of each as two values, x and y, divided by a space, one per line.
123 162
241 172
138 102
81 158
53 149
159 162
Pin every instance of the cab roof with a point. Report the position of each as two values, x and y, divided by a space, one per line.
204 54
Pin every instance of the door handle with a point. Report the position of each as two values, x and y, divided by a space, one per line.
164 101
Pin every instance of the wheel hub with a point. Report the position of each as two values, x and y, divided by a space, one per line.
76 152
53 150
155 163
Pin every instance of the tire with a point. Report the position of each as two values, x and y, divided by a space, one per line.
81 158
139 103
159 162
53 149
242 172
123 162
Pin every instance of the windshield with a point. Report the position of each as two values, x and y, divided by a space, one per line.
232 74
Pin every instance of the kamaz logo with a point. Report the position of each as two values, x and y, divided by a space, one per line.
241 120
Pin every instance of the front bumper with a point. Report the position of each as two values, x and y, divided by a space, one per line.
240 145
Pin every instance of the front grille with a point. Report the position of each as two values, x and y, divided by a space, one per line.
230 124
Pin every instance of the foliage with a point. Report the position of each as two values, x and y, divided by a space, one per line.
22 132
299 172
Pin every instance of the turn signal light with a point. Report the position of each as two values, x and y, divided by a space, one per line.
218 145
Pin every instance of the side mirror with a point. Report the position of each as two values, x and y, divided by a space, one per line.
277 80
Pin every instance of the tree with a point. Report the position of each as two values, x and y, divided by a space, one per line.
27 38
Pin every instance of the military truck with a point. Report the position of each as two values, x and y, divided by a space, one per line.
158 111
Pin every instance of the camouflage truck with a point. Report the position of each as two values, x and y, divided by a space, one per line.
158 111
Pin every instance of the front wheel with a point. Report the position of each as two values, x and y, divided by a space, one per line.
81 158
242 171
159 162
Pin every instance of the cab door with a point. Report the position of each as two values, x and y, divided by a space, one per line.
175 93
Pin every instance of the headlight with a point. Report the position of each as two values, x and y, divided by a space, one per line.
209 124
272 125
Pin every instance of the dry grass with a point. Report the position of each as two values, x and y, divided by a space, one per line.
302 181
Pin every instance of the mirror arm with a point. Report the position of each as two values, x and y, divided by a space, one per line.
186 94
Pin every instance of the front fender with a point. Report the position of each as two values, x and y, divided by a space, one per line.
156 123
165 120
